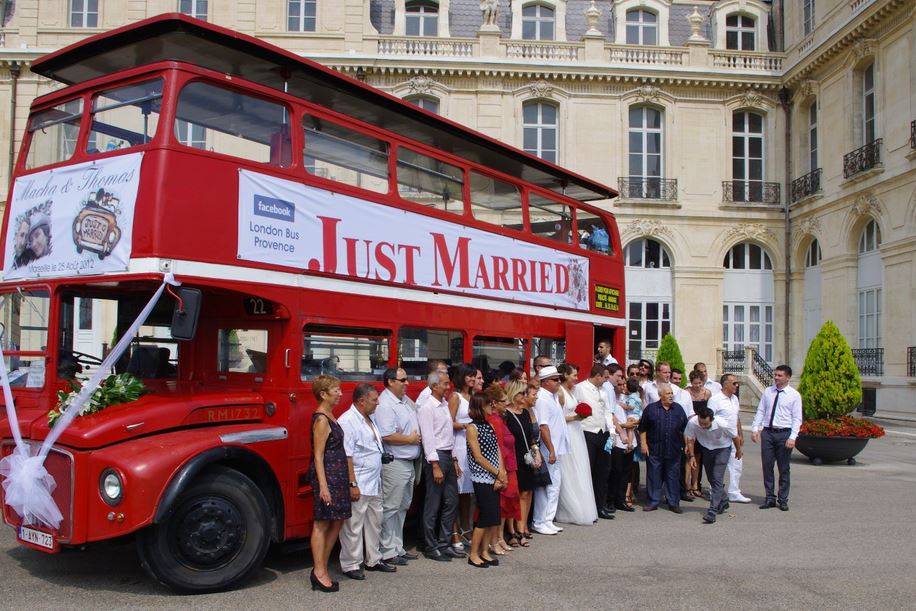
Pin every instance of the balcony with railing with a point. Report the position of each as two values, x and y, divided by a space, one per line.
870 361
807 185
862 159
733 361
648 187
751 192
548 51
746 61
646 55
911 362
427 47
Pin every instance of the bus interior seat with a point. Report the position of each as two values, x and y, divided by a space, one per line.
144 362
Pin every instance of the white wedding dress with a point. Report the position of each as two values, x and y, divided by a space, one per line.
577 499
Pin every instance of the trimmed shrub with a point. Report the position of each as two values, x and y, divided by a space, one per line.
830 385
670 352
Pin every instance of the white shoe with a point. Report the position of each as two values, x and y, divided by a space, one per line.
559 529
738 498
543 530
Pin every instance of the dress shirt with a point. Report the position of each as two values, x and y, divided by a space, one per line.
788 410
683 398
609 360
719 435
586 392
713 386
651 390
395 415
435 428
425 394
363 444
664 429
550 413
610 394
621 415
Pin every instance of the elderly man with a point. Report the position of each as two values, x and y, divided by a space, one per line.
363 446
725 404
554 445
432 366
662 376
661 432
440 469
779 416
396 419
596 433
716 435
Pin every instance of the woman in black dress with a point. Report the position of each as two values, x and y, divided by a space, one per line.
699 395
488 475
522 426
329 477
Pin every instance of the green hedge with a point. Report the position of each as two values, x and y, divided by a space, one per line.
830 385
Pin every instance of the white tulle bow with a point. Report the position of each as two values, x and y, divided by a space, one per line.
27 487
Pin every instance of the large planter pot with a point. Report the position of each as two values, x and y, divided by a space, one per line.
830 449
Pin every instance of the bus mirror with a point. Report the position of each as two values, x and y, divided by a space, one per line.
187 310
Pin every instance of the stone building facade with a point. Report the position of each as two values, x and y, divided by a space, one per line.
765 153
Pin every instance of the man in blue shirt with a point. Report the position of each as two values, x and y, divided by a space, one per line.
661 433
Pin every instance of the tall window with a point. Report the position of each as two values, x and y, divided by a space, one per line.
301 15
538 22
813 255
747 156
748 295
747 256
422 18
812 136
811 303
740 33
645 156
870 240
868 104
647 254
194 8
870 283
425 102
642 27
808 16
84 13
540 127
650 297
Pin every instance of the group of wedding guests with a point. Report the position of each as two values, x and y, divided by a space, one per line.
513 455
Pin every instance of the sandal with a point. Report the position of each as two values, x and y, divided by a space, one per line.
512 541
496 550
522 542
526 535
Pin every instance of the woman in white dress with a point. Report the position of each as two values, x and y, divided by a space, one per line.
467 380
577 499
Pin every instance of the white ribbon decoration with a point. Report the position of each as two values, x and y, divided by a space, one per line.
27 485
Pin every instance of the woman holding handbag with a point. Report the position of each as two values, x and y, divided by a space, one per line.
524 429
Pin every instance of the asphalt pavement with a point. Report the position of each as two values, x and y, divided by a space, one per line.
846 542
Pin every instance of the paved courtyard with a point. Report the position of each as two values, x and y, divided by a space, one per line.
847 542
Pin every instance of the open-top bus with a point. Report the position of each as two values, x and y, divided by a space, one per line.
330 228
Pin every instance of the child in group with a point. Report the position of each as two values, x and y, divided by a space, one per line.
632 403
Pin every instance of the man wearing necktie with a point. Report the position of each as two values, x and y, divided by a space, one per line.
776 424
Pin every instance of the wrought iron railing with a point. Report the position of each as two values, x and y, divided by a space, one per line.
806 185
643 187
911 361
733 361
913 134
863 158
762 370
634 356
870 361
750 192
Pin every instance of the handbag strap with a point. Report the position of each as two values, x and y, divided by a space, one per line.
528 445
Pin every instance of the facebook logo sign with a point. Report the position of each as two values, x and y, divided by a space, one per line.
274 208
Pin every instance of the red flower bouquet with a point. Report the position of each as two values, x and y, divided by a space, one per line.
583 410
844 426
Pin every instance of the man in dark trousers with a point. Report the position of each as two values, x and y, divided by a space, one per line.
779 416
661 433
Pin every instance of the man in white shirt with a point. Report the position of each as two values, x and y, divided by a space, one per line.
363 446
662 376
437 366
612 374
713 386
726 404
596 432
716 435
554 445
779 415
604 353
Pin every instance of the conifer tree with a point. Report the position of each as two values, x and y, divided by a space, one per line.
830 385
669 352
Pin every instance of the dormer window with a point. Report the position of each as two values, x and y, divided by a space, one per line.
538 22
422 18
642 27
740 33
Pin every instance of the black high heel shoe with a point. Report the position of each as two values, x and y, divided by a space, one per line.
317 585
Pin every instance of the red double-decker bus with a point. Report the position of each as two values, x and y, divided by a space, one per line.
329 228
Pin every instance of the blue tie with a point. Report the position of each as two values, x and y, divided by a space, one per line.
773 413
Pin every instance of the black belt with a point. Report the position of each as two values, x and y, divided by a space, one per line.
776 429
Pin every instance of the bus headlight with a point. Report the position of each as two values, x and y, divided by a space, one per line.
111 487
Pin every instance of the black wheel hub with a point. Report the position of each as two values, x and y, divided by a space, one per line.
209 532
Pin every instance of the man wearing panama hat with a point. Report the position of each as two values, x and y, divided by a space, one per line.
554 445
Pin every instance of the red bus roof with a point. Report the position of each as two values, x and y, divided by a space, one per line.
177 37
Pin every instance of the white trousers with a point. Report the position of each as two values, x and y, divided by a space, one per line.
546 498
397 493
735 466
362 529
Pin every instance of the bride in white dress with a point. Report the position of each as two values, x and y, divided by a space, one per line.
577 499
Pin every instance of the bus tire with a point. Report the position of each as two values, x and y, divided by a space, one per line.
215 538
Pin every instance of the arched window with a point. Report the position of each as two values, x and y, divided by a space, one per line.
870 240
747 156
813 254
740 32
538 22
650 297
868 104
425 102
811 302
748 297
747 256
870 284
642 27
540 130
422 18
645 154
812 136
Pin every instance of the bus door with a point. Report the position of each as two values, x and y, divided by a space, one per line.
615 335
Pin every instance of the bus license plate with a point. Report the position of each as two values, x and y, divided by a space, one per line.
37 538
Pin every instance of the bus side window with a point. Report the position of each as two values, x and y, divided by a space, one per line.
496 357
554 349
496 201
348 353
125 117
54 133
429 181
550 219
242 351
416 347
593 233
337 153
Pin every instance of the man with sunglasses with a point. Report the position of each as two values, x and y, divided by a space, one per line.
725 404
396 419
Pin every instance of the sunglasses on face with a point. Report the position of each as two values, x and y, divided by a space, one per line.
402 380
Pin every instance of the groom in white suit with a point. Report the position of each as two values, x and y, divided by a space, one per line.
554 445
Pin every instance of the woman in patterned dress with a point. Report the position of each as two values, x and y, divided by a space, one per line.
489 476
329 477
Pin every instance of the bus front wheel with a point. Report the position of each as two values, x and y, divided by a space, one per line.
215 538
